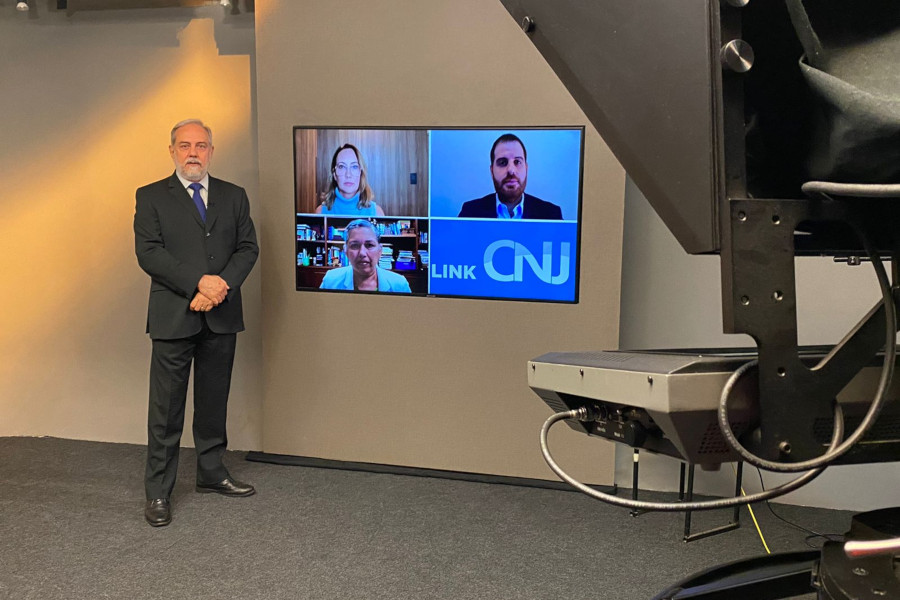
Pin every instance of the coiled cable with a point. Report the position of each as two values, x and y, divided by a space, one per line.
584 415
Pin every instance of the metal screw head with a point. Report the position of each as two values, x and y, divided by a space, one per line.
860 571
785 447
527 24
737 56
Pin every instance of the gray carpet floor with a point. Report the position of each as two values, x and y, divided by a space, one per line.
72 527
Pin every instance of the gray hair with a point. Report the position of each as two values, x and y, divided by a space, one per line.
181 124
361 223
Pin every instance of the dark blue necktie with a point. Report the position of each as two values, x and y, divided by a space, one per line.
198 200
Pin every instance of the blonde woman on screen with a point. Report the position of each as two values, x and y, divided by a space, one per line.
348 191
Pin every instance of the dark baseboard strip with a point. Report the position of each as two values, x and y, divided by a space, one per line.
322 463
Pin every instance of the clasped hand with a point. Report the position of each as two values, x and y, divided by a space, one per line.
201 303
212 290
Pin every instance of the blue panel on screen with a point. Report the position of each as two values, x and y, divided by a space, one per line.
461 167
533 260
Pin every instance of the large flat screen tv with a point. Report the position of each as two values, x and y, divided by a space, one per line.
462 212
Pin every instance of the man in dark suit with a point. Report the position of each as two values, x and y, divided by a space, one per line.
193 235
509 170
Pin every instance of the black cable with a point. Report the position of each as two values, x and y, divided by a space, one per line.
864 190
831 537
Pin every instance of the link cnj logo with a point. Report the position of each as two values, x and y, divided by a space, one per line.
505 260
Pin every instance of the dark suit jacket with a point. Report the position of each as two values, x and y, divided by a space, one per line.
176 249
533 208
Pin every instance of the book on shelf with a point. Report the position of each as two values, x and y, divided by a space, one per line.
406 261
387 257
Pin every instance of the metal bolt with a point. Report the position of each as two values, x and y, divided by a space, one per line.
527 24
737 56
650 379
785 447
860 571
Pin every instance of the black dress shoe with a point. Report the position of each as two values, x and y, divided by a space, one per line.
158 512
227 487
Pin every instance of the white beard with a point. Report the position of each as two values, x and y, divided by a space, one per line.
192 172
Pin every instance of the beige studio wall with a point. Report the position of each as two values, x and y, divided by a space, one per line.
86 106
428 382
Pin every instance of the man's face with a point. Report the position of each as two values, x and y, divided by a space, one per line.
363 251
191 152
346 172
510 171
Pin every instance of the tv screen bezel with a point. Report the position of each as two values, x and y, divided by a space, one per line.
578 224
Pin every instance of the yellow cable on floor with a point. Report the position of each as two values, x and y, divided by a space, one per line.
753 516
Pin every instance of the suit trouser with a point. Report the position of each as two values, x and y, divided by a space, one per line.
212 355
